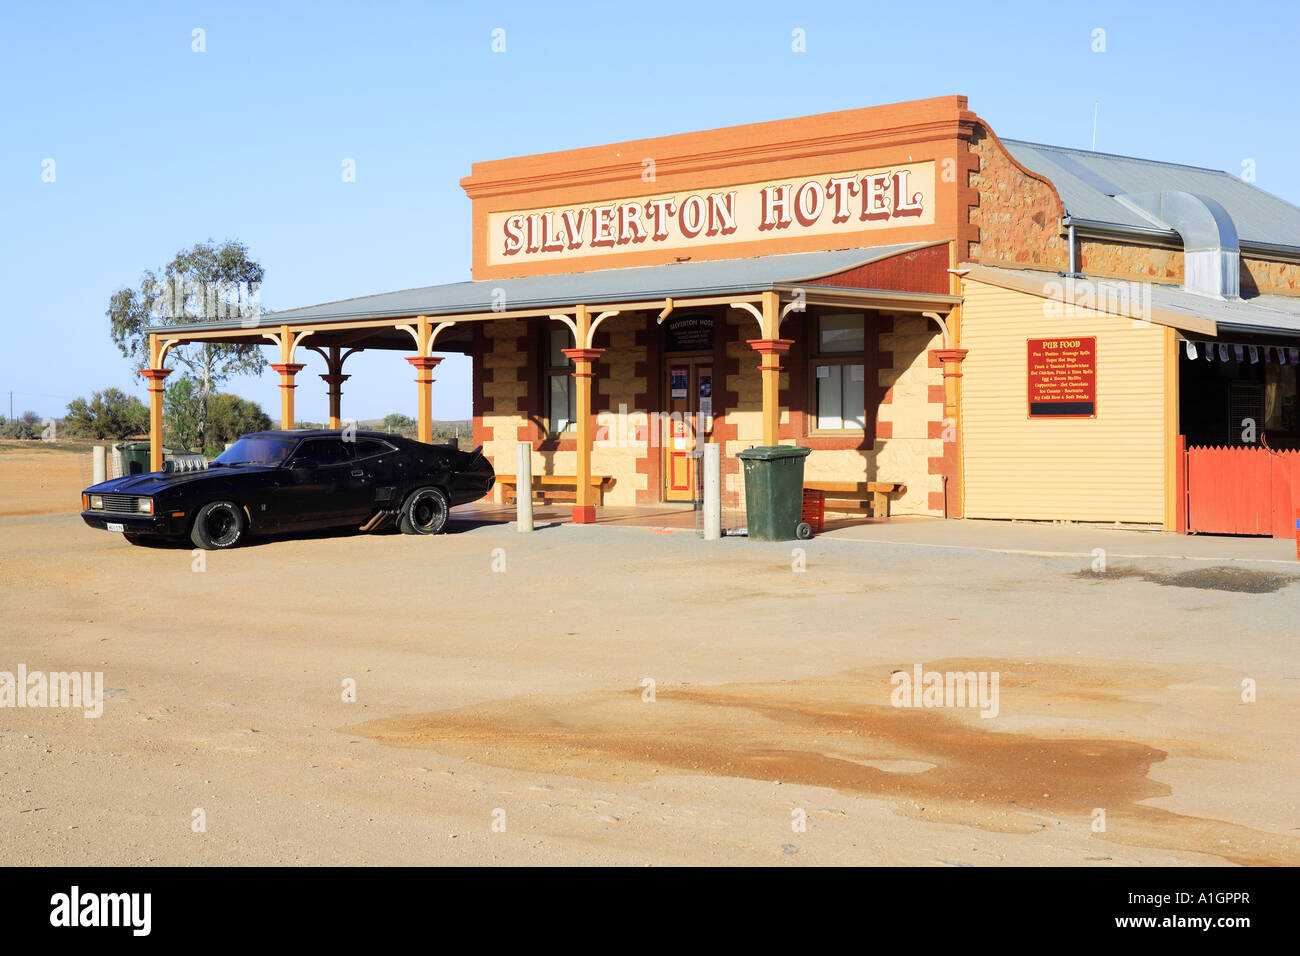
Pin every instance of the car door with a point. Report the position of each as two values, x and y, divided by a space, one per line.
375 474
319 488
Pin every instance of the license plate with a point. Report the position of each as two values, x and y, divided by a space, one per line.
114 526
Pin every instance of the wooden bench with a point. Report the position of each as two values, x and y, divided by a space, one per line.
543 483
849 495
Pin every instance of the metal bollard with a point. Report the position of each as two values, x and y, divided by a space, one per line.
99 469
712 491
524 486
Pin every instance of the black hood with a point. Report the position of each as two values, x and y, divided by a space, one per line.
152 483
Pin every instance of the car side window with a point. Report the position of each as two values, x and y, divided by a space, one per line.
323 452
372 448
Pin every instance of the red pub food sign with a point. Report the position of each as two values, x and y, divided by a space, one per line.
1063 378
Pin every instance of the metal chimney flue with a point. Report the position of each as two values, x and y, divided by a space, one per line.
1211 255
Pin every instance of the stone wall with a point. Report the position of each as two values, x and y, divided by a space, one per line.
621 437
743 415
1269 277
510 403
1019 221
500 390
1119 260
510 407
909 445
1019 214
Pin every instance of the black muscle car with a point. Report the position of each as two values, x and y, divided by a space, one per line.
293 480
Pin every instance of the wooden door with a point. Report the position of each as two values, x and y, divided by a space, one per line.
689 387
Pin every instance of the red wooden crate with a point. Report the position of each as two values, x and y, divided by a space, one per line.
814 509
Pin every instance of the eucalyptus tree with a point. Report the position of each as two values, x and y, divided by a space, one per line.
208 282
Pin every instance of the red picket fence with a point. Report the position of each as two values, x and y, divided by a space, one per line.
1238 490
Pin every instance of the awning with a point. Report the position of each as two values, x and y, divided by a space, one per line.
629 287
1173 306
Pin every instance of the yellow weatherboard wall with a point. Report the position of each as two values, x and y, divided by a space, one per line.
1108 468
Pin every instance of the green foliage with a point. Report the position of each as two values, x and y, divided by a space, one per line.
205 283
181 413
229 417
27 426
399 424
109 414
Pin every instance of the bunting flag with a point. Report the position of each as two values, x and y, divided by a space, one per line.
1222 351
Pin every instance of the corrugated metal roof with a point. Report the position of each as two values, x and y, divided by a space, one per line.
1086 182
1264 313
1261 315
564 290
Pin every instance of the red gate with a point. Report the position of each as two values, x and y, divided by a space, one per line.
1238 490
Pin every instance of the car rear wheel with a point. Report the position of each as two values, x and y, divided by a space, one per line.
219 525
425 512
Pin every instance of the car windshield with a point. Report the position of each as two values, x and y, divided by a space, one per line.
256 451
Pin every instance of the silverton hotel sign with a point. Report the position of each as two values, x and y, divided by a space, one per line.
844 202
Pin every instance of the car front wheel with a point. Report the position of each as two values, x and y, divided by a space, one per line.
425 512
219 525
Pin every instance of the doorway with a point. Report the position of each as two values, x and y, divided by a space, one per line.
688 383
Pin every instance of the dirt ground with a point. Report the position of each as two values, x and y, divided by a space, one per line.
37 478
614 695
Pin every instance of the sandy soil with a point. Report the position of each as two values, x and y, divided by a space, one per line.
501 715
40 479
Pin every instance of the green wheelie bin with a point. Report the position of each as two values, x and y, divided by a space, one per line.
774 492
135 456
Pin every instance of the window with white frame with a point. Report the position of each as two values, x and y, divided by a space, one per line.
561 409
838 375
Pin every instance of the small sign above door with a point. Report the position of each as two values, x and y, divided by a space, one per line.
688 333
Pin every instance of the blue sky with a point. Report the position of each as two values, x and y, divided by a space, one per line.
158 147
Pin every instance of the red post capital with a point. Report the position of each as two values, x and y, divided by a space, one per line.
771 350
156 377
287 371
424 364
583 355
951 359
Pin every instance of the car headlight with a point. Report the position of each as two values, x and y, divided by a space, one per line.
145 505
96 503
